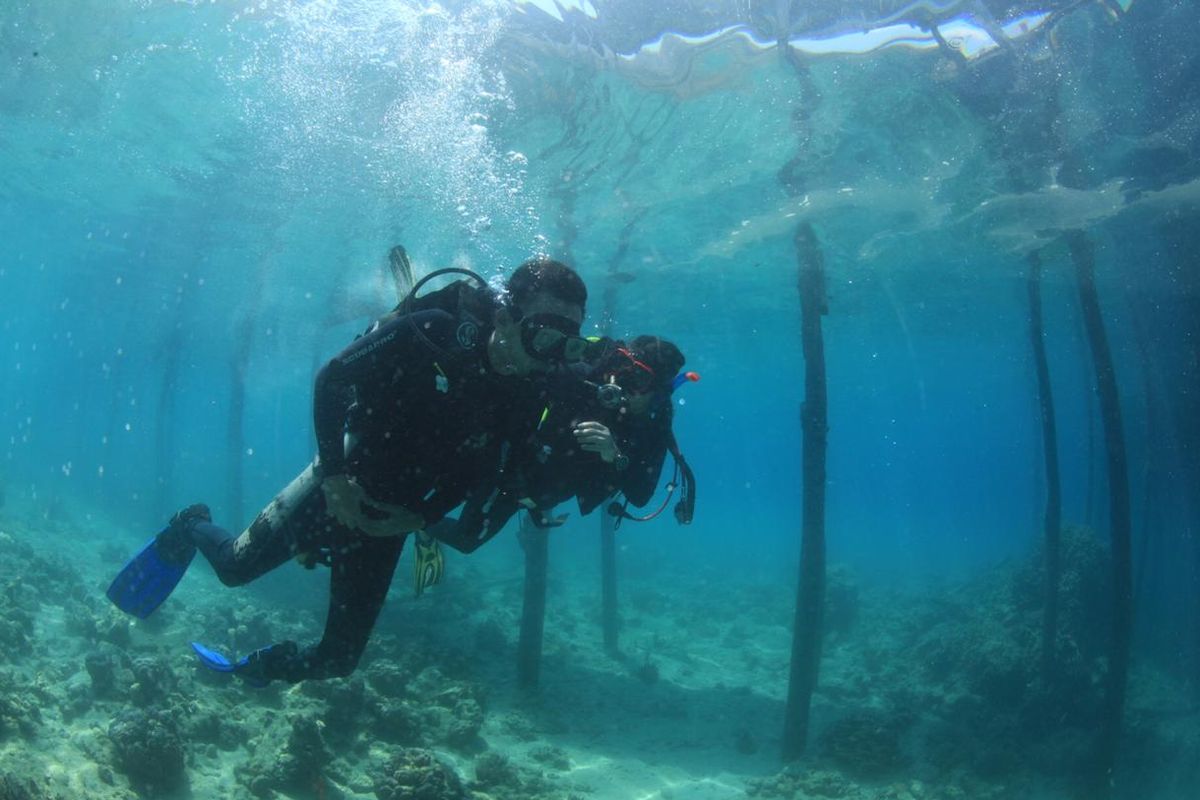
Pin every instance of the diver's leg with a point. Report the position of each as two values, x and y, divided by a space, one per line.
294 522
360 576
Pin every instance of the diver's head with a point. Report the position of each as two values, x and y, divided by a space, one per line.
661 356
538 324
645 369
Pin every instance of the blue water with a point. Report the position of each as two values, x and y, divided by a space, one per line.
195 190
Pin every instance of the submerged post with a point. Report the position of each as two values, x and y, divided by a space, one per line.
1082 254
1195 648
536 544
235 441
1053 516
608 582
1149 476
810 595
610 619
164 422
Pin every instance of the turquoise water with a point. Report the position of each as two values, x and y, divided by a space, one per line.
193 192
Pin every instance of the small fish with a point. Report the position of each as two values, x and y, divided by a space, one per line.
622 277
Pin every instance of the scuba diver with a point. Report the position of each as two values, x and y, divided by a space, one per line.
605 431
408 418
647 372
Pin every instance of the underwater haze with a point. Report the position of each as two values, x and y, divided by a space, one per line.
197 203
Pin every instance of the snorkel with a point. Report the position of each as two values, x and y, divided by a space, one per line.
682 378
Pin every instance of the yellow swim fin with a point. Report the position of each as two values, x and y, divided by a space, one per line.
428 562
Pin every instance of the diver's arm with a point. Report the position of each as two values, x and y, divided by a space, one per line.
334 393
639 480
457 533
482 517
332 397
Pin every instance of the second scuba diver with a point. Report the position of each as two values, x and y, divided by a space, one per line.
605 430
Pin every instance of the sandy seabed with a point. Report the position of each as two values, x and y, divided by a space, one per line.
925 693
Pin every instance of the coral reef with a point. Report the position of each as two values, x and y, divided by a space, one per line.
866 743
204 725
984 656
153 681
19 601
149 749
389 678
414 774
15 631
15 788
498 778
398 722
798 783
453 713
101 667
1084 594
495 774
297 766
795 783
925 694
19 711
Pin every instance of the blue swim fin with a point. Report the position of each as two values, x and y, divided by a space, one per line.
149 578
212 659
248 668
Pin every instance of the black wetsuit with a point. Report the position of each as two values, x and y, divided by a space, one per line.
554 468
413 412
548 467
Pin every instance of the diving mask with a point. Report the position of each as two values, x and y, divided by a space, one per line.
551 337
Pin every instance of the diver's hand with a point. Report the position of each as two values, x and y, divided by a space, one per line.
596 438
343 499
386 519
349 504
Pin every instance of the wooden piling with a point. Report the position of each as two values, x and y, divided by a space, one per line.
536 544
1083 255
810 595
1052 520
